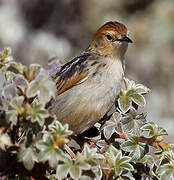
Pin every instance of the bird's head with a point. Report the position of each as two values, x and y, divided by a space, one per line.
111 40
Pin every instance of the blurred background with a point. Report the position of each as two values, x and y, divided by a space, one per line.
38 30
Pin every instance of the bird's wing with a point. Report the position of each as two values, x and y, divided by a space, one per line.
72 73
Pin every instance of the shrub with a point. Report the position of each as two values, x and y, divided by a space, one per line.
34 145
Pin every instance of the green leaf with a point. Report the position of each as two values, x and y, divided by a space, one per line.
82 162
97 170
113 151
91 155
14 109
74 167
138 153
131 92
124 103
62 171
153 129
58 129
166 176
170 156
112 125
5 57
128 146
166 171
127 166
141 89
15 67
60 133
133 138
42 86
111 154
38 114
129 124
162 131
138 99
28 156
124 159
48 151
29 72
136 149
126 120
133 123
75 172
129 84
148 160
122 163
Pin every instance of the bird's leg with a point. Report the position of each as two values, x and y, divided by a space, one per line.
69 151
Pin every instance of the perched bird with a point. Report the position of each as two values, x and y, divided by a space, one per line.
87 85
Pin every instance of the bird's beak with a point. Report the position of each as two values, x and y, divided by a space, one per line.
126 39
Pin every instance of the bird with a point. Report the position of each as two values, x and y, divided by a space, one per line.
87 85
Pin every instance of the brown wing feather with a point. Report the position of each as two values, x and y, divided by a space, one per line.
72 73
64 85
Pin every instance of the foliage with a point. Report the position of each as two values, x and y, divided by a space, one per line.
33 144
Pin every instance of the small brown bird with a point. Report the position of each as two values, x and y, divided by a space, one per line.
87 85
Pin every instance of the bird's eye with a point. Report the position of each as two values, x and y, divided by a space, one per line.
109 37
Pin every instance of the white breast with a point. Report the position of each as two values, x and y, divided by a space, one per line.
114 72
108 83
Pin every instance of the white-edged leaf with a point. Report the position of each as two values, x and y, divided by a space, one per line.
141 89
43 86
14 108
128 146
138 99
124 103
62 171
166 171
28 156
127 166
75 172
